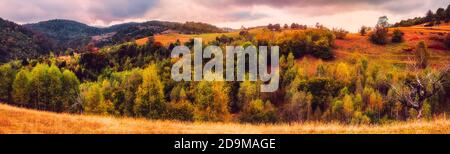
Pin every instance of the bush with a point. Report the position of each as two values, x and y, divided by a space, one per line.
397 36
422 54
182 110
359 118
363 30
340 33
379 35
447 41
316 42
259 112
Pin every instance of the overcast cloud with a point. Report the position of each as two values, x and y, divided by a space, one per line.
349 14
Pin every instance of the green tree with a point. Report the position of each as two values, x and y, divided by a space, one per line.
21 88
298 106
150 101
248 91
211 101
429 17
93 100
348 106
440 14
130 86
182 108
259 112
39 86
70 91
7 76
54 88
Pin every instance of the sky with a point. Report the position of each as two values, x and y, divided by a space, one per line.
347 14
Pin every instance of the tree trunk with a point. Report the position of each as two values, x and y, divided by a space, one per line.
405 112
419 115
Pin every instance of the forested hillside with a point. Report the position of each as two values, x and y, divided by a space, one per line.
67 33
75 35
351 79
381 75
17 42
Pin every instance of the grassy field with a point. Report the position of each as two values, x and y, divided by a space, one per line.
15 120
353 46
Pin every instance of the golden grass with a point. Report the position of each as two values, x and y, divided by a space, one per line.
15 120
142 41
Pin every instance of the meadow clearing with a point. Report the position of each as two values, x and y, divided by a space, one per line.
347 50
14 120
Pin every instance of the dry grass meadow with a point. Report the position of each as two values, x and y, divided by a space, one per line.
14 120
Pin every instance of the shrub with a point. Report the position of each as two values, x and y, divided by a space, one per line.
447 41
348 106
316 42
397 36
422 55
337 109
363 30
359 118
340 33
182 110
259 112
379 35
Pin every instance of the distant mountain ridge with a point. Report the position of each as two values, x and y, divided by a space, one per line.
18 42
67 33
36 39
76 35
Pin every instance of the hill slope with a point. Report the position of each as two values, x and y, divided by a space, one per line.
17 42
76 35
69 34
18 120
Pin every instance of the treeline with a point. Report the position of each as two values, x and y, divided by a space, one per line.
197 28
135 81
41 87
317 42
431 18
277 27
89 66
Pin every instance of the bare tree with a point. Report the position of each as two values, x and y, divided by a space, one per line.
414 92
